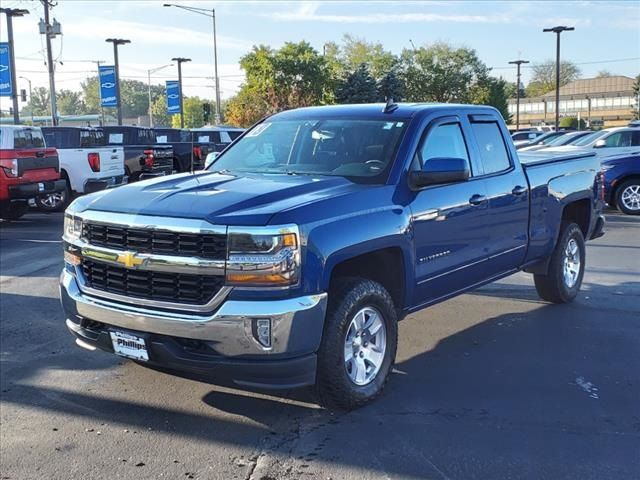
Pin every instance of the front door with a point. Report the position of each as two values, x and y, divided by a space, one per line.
449 221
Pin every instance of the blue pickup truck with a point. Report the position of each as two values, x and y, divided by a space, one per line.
290 261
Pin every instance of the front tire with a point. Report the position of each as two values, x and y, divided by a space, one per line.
562 282
628 197
359 344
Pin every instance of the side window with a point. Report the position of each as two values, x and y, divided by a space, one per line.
635 138
443 141
619 139
493 150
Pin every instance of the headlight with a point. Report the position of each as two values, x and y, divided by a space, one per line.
263 257
72 227
604 168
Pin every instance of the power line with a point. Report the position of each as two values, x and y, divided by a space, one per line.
596 62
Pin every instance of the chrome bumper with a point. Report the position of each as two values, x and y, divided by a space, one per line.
296 323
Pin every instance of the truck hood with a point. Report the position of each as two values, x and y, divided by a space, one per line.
218 198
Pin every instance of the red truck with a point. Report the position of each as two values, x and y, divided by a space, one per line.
28 169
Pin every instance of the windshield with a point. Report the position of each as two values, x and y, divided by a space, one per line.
588 139
359 149
566 138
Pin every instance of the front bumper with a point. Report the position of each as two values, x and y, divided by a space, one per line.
220 342
25 191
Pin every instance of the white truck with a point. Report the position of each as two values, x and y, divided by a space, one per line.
86 163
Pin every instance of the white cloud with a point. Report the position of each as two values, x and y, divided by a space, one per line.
301 16
143 33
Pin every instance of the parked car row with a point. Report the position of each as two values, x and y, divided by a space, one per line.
618 150
51 165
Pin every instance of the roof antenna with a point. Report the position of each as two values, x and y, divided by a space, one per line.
390 107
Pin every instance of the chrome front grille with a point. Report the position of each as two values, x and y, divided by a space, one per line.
144 240
151 285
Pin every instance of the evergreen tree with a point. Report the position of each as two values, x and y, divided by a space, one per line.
357 87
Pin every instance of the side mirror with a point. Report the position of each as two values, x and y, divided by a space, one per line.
210 158
439 171
600 143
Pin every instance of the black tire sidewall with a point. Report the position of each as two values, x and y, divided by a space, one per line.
332 374
619 203
572 231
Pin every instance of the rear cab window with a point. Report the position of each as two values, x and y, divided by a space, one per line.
494 155
28 138
91 138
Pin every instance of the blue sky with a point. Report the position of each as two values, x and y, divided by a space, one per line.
499 31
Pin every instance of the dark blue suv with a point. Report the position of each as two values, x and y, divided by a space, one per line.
622 182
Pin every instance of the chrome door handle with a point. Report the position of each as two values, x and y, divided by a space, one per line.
477 199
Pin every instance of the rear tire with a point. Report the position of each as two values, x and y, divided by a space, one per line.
55 202
562 282
359 343
628 197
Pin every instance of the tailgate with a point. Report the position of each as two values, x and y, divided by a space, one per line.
32 162
111 160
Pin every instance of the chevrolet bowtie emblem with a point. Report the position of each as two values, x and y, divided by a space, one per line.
129 259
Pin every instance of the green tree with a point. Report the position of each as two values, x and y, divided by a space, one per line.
293 76
572 122
443 73
246 108
356 51
193 114
357 87
390 85
39 102
69 102
134 96
636 94
159 109
498 96
543 78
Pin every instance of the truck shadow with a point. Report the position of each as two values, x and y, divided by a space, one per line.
510 396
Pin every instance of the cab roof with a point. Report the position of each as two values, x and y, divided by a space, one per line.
374 110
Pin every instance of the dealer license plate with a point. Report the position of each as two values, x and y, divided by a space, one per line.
128 345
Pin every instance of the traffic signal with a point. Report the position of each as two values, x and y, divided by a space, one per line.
206 112
23 95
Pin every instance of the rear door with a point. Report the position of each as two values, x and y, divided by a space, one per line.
508 196
449 221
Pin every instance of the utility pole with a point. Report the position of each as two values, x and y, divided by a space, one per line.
518 63
10 13
116 42
558 30
50 31
30 97
211 14
149 72
180 61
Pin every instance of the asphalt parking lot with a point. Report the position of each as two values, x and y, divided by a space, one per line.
492 384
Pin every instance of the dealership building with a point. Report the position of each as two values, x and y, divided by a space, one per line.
601 102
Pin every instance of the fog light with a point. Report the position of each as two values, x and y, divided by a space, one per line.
262 331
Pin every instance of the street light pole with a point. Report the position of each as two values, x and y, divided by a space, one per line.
518 63
180 61
558 30
116 42
149 72
212 14
10 13
30 101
